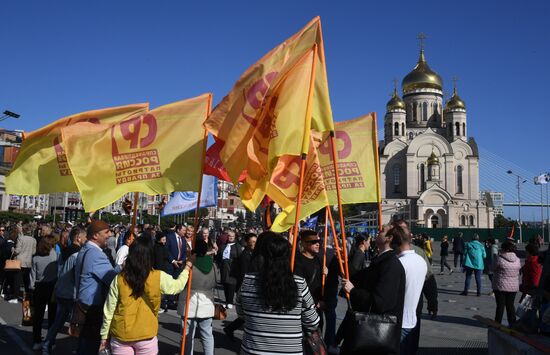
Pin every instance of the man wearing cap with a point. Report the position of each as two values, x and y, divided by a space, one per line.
94 273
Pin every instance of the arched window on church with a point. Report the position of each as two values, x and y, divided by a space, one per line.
459 179
471 220
425 111
403 129
396 129
414 112
457 125
464 128
462 220
409 112
422 177
411 136
396 178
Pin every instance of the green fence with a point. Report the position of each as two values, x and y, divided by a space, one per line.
497 233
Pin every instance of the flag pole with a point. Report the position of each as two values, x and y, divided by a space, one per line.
305 143
337 246
197 209
325 253
336 243
377 166
340 210
136 196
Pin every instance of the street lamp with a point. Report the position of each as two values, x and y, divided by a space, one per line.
521 180
8 114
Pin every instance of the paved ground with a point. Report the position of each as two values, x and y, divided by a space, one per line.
454 331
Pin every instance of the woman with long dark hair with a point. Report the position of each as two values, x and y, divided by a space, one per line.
132 305
275 304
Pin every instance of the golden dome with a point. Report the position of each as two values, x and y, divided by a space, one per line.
433 159
422 77
395 102
455 102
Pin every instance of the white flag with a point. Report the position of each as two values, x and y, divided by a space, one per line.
542 179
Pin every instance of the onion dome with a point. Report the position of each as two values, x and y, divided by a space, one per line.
422 77
395 103
433 159
455 102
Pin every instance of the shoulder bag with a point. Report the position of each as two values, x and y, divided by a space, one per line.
220 312
12 264
78 313
370 332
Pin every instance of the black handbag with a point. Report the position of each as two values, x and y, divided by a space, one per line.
79 310
369 332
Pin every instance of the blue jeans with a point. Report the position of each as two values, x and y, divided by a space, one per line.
408 342
205 333
477 273
64 307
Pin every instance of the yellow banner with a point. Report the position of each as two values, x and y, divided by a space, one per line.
356 146
264 115
156 153
41 165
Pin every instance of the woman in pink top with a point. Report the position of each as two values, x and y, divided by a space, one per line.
506 269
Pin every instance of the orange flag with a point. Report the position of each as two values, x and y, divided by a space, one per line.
271 109
41 165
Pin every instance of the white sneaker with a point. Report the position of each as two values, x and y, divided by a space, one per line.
37 346
229 306
13 300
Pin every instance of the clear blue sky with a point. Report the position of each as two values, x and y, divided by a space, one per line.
63 57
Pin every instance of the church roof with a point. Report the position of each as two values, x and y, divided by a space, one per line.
395 103
422 76
455 102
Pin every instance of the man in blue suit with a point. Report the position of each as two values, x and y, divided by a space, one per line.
175 242
94 273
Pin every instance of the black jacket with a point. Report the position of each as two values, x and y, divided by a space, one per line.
162 259
458 245
228 274
380 288
356 261
242 266
312 271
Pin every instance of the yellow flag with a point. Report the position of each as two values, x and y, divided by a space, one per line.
41 165
284 187
264 115
156 153
356 146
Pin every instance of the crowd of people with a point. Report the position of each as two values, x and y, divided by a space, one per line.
111 282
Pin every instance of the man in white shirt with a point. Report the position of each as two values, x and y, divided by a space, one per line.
122 252
415 274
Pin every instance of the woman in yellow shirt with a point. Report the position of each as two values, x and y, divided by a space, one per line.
133 302
428 247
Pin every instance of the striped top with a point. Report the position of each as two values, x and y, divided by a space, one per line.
267 332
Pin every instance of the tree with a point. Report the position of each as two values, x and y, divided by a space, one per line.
502 222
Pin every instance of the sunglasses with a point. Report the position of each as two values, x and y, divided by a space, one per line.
2 230
315 241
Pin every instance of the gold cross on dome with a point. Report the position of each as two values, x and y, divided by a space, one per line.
395 83
455 80
421 37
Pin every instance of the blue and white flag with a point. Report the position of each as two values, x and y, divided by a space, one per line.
310 223
181 202
542 179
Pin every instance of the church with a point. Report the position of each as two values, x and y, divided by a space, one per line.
429 166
